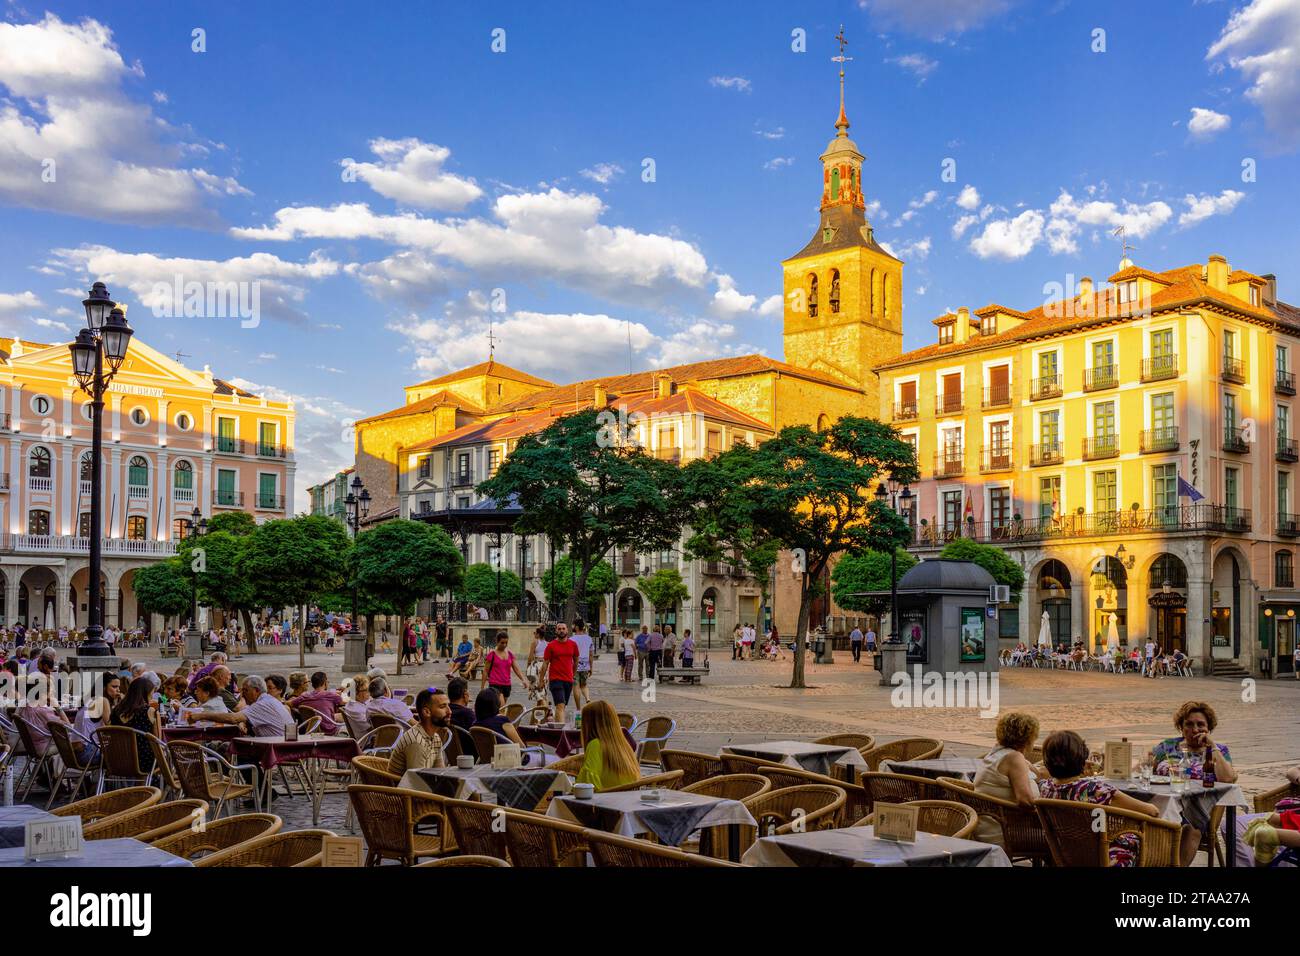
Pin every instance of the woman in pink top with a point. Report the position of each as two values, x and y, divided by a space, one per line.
500 662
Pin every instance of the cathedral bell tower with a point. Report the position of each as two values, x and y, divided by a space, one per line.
843 307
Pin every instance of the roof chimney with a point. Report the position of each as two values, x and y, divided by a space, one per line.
599 398
961 334
1270 289
1216 273
1085 287
663 385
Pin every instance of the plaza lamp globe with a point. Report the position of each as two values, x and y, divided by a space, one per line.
117 338
83 357
97 305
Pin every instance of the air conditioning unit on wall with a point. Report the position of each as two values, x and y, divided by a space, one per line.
999 594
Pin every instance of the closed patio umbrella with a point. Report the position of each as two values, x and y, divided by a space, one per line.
1045 632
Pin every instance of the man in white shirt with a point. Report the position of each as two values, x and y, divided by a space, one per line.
262 715
382 701
581 638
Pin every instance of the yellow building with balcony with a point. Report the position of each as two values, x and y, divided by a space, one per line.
1132 446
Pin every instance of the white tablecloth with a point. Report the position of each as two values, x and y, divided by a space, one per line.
520 789
102 853
671 818
817 758
858 846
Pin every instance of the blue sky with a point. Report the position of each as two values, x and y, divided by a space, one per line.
391 182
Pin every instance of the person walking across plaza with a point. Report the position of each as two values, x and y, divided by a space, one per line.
642 651
558 667
583 640
654 645
735 641
855 643
629 654
498 665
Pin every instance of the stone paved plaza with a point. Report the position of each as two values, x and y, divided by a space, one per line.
747 701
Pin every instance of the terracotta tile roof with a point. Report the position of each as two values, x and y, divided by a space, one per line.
500 429
1137 272
1241 275
693 402
945 319
1182 286
993 307
424 405
487 368
221 387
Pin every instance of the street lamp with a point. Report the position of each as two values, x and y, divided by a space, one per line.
357 504
196 526
107 336
892 495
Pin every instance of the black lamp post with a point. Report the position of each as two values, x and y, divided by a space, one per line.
106 337
893 495
357 505
196 526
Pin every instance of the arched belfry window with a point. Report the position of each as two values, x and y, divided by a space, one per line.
812 296
835 183
835 290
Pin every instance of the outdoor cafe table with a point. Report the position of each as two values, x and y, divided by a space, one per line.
564 739
963 768
14 820
817 758
1194 805
201 732
309 749
105 853
671 818
519 789
859 846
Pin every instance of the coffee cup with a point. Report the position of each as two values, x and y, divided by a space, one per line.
464 762
584 791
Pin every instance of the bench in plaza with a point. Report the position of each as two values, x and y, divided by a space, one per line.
689 675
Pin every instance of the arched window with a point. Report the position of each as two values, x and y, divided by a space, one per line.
888 300
38 462
136 527
184 475
87 470
812 295
137 473
835 290
823 422
1167 568
38 522
835 183
1054 576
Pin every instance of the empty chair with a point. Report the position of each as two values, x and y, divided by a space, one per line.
476 827
899 788
694 766
150 823
655 733
856 741
125 754
74 751
737 763
106 805
388 817
373 771
464 861
1075 840
667 781
380 740
171 784
204 774
731 786
286 848
627 721
610 850
943 817
570 764
514 711
907 748
39 748
533 840
809 807
219 835
856 804
486 740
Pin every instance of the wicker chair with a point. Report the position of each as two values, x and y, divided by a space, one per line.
73 760
514 711
570 764
694 766
119 756
379 741
667 781
736 763
899 788
38 751
809 807
380 719
537 841
485 744
464 861
291 848
220 835
150 823
943 817
858 742
1022 831
856 805
373 772
657 730
472 825
610 850
733 786
389 816
216 783
907 748
1267 801
627 721
1069 827
162 761
106 805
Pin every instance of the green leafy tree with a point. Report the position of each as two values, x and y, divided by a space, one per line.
163 588
993 560
238 523
213 562
582 483
289 561
664 589
401 562
811 492
868 571
480 585
558 583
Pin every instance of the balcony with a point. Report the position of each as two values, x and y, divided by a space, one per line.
83 488
137 492
1234 370
1284 382
228 499
1049 386
1288 525
69 544
1102 446
37 483
996 458
904 411
462 479
269 502
183 494
1187 518
949 404
628 565
1234 439
1159 367
1048 453
1235 520
1288 449
997 396
230 446
270 451
1099 377
1159 439
716 568
949 462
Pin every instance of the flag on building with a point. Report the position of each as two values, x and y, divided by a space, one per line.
1185 490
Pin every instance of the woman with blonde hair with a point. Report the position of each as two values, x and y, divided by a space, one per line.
608 760
1007 773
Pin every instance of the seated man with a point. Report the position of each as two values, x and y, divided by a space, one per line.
261 714
462 714
321 700
420 745
382 701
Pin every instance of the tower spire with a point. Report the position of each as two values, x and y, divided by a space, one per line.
842 123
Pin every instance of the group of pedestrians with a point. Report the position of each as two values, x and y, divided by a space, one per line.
650 650
420 636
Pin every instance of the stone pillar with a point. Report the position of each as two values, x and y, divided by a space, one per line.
1080 609
354 653
13 576
1198 616
61 592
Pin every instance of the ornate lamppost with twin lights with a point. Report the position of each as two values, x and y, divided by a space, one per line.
893 653
104 341
196 526
357 504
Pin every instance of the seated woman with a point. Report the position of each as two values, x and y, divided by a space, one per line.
207 696
607 759
1279 830
1065 754
1195 721
1007 773
487 713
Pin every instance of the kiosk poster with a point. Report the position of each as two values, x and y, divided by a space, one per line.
913 634
972 635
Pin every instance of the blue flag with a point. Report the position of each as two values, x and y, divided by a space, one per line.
1185 490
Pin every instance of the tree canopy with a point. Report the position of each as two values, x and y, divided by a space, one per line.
480 585
558 583
867 571
163 588
664 589
992 559
401 562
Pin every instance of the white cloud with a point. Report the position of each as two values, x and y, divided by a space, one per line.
738 83
729 302
773 305
1206 124
918 64
778 162
909 251
1203 207
933 19
1009 238
603 173
969 199
1069 215
777 133
961 225
410 172
53 325
159 96
13 303
72 140
1262 42
925 200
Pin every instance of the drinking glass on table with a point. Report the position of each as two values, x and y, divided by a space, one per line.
1144 770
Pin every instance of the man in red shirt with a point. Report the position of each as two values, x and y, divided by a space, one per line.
558 664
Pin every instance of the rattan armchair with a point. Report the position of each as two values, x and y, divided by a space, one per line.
808 807
731 786
906 748
39 748
75 751
150 823
119 756
373 771
628 721
858 742
737 763
485 744
1267 801
464 861
657 730
390 817
899 788
694 766
944 817
1022 830
204 774
220 835
287 848
610 850
667 781
162 761
1074 841
472 825
856 804
106 805
533 840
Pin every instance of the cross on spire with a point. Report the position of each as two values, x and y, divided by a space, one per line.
492 342
843 122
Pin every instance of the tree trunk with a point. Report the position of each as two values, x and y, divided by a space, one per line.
248 629
302 636
800 634
401 641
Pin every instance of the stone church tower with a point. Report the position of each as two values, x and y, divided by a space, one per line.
843 292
